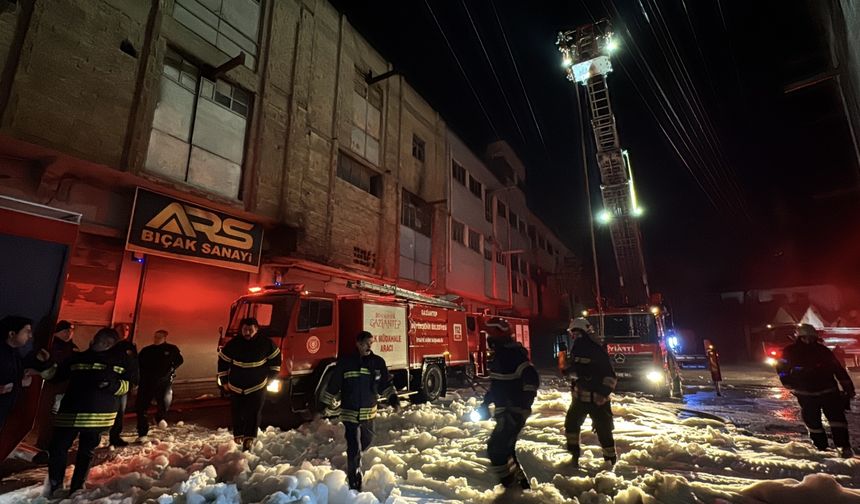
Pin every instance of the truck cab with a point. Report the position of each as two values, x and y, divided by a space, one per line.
636 341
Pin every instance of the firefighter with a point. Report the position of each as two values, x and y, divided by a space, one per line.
513 385
811 372
96 378
245 366
158 364
360 379
127 354
593 382
714 366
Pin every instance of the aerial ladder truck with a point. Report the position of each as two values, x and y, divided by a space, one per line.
638 337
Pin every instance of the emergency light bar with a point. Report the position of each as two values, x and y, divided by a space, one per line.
288 287
397 292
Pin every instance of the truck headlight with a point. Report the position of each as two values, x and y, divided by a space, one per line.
274 386
654 376
770 361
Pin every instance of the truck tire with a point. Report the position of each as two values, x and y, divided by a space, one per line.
318 406
432 384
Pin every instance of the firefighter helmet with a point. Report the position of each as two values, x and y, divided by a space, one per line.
806 330
582 324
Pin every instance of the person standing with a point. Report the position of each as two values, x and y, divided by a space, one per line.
62 347
513 386
127 354
593 382
158 364
360 379
17 333
245 365
812 373
96 378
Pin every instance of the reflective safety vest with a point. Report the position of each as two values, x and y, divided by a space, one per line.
246 365
360 381
96 380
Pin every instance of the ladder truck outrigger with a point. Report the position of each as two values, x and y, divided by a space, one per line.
638 337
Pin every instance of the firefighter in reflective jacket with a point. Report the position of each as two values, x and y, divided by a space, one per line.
811 372
360 379
593 382
513 385
245 366
88 408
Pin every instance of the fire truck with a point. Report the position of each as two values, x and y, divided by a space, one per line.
422 339
780 336
477 336
637 340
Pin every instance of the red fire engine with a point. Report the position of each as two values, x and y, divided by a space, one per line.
422 339
637 340
477 335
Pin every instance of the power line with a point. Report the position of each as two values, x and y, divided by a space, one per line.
520 79
462 70
493 70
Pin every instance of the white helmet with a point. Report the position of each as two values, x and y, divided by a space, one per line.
582 324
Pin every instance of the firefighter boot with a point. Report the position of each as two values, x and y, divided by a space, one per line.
355 481
847 452
574 454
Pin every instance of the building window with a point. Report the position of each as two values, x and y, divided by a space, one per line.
501 210
549 248
488 248
515 262
314 313
458 232
198 129
458 172
522 226
475 186
415 245
415 213
475 240
500 258
512 219
515 284
418 148
541 242
524 267
230 25
488 206
366 119
525 287
359 175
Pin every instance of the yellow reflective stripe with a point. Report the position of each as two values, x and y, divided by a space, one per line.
123 388
327 398
274 354
357 416
85 419
223 357
82 366
223 373
511 376
119 369
275 368
247 390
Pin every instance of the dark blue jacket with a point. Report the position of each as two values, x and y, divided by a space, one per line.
513 379
361 381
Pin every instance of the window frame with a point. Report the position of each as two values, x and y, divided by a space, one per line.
418 148
309 307
458 172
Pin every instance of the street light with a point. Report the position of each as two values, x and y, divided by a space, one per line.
638 211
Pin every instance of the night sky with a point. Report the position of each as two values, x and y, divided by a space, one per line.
780 171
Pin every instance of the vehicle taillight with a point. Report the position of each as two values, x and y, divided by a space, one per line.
773 352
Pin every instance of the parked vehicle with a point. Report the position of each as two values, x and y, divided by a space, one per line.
422 339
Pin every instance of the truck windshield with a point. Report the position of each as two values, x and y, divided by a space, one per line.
635 327
272 312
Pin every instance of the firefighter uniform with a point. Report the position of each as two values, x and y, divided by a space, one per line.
513 386
88 408
812 373
126 354
245 367
593 381
360 381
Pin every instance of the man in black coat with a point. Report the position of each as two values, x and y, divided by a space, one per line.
593 382
158 364
360 379
814 375
62 347
16 333
513 386
245 365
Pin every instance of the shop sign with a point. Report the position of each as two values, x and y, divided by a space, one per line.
165 226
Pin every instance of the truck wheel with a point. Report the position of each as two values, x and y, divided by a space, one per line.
318 405
432 384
